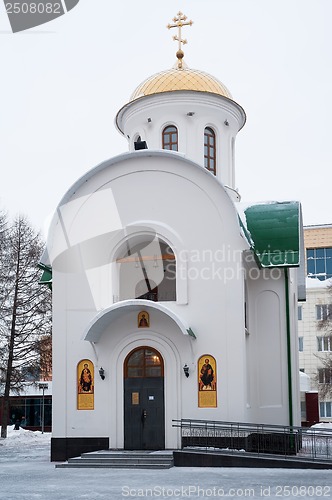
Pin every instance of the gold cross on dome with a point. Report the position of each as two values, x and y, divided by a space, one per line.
179 21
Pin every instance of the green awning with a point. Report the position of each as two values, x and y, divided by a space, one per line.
46 277
274 230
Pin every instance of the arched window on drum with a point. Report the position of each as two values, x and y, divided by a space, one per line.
210 150
170 138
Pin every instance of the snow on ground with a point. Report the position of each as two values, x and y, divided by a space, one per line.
27 474
23 437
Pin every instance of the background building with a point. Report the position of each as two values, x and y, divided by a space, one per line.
315 342
31 407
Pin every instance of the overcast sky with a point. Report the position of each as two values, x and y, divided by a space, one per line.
63 82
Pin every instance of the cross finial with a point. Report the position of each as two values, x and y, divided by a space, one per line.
179 21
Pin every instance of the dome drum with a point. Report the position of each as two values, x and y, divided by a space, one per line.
190 112
179 103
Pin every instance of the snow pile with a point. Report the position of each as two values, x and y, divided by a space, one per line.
323 428
23 437
322 425
313 282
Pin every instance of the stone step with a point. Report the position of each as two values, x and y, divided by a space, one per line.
125 455
103 465
118 459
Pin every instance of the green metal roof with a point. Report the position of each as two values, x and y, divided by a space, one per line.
274 230
46 278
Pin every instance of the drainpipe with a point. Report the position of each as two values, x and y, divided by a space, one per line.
289 357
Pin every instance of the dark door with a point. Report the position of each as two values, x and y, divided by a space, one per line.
144 420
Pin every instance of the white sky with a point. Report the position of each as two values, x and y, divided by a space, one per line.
62 84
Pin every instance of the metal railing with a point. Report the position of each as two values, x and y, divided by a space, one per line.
259 439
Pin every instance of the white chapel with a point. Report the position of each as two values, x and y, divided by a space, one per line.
172 298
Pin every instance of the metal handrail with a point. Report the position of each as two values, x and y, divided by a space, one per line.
259 439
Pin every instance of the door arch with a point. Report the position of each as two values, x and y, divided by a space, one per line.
144 407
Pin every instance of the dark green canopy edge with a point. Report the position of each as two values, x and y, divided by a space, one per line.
46 278
274 232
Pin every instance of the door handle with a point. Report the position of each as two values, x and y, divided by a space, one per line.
143 416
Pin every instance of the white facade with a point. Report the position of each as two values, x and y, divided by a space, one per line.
156 202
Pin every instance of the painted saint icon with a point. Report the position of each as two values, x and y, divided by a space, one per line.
86 378
207 382
143 320
85 385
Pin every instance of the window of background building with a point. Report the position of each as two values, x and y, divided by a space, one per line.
299 313
29 411
324 375
303 411
300 344
170 138
319 263
323 311
324 343
325 409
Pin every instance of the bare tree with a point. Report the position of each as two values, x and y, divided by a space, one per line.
3 247
25 308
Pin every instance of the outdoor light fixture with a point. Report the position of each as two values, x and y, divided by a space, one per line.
43 387
186 370
149 120
102 373
190 113
226 122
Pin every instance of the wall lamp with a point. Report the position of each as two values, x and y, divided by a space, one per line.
226 122
191 113
186 370
102 373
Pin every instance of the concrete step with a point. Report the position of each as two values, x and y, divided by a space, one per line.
119 459
132 455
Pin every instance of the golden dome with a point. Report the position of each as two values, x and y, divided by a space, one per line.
183 78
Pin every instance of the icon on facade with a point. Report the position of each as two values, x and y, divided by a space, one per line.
207 382
143 320
85 385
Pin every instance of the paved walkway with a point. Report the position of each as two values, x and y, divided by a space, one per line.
27 474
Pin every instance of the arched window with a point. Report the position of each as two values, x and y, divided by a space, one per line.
147 269
170 138
210 150
143 362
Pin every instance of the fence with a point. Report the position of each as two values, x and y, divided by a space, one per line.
236 437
